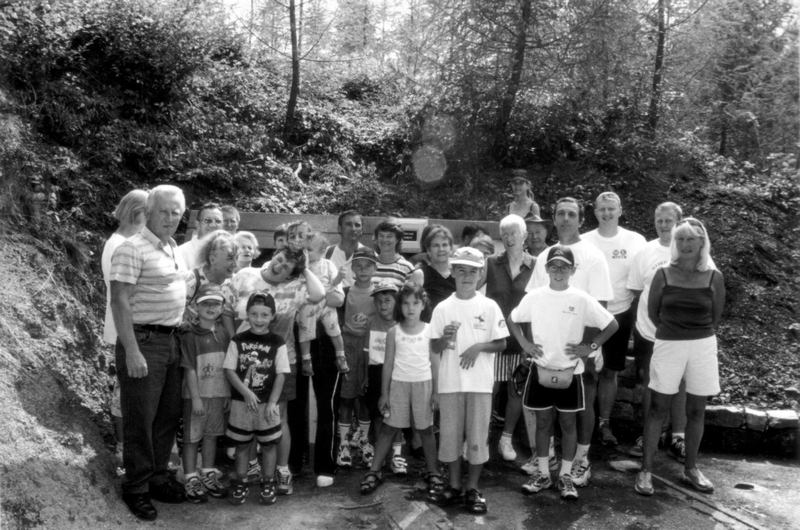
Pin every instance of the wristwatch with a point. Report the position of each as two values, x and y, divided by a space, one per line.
594 346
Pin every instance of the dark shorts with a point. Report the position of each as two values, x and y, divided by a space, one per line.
289 392
642 353
616 348
538 397
373 393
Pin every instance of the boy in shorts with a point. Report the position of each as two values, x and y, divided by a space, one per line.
467 329
358 310
256 365
558 314
206 394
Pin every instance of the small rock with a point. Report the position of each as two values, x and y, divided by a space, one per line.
794 330
791 392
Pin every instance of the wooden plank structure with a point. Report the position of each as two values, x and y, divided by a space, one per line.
263 226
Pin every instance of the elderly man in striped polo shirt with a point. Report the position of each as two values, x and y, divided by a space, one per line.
148 294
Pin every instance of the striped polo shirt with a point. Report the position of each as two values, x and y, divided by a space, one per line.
396 272
160 278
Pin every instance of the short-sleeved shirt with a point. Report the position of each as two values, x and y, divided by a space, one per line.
358 310
396 272
619 251
412 357
558 318
153 267
481 321
591 271
339 258
204 351
645 263
256 359
109 329
376 342
189 253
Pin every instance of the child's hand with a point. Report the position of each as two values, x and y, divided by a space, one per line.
434 401
197 407
307 368
272 412
577 351
341 364
597 357
383 405
534 350
468 357
251 400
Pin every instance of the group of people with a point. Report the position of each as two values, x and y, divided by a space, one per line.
398 350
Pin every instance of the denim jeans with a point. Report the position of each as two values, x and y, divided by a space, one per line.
151 408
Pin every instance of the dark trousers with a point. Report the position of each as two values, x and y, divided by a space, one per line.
327 382
151 408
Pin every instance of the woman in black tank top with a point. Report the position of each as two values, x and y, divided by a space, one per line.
685 304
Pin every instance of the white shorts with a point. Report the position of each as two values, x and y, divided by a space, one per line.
692 360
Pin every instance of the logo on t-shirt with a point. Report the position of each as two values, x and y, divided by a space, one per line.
479 321
619 254
570 310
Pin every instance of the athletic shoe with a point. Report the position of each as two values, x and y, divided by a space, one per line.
213 486
195 493
530 467
677 449
239 492
399 465
697 480
538 482
581 473
367 452
284 483
637 450
253 471
324 481
644 483
343 458
567 488
267 493
506 449
606 436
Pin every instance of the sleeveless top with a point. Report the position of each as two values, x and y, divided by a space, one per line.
412 360
533 209
686 313
438 288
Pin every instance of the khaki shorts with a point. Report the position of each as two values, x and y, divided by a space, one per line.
460 413
212 423
244 424
410 400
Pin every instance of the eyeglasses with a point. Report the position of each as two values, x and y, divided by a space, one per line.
209 221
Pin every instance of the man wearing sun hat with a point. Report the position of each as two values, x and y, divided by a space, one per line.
538 230
467 329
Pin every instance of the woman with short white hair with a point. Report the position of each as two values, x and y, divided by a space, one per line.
685 304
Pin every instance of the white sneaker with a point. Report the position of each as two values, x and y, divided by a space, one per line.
506 449
530 467
581 473
324 481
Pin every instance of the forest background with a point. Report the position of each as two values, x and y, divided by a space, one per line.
413 108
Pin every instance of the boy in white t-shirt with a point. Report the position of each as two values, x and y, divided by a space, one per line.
558 314
467 329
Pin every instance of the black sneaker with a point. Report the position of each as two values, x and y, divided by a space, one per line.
139 504
267 495
239 492
474 502
170 491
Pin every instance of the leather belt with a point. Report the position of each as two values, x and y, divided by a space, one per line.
155 328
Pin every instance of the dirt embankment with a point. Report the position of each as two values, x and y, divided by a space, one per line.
56 469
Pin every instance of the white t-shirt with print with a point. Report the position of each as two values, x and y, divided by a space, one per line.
619 251
481 321
558 318
591 271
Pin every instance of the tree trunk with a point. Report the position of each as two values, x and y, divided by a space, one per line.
295 88
512 87
655 94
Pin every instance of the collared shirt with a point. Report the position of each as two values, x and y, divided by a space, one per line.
500 287
159 276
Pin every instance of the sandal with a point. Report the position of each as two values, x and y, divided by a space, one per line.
475 502
399 465
371 482
436 483
447 496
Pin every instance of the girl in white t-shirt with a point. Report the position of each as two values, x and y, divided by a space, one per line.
408 387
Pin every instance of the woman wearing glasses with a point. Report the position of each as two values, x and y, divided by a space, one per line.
685 304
